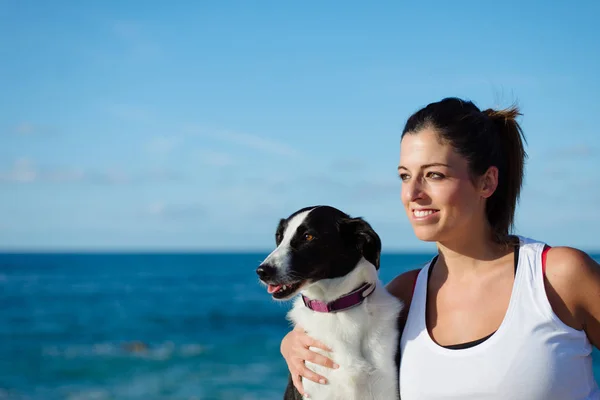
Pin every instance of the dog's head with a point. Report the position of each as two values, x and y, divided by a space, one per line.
316 243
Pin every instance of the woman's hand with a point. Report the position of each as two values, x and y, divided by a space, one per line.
295 350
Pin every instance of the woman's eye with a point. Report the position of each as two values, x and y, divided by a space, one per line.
403 177
435 175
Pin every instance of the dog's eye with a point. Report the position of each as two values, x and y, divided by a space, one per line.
308 237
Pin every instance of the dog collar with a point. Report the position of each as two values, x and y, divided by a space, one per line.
345 302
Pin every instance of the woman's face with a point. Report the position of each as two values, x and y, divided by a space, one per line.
439 196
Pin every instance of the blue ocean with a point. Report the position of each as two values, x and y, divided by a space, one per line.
145 326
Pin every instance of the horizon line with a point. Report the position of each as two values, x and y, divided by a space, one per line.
168 251
215 250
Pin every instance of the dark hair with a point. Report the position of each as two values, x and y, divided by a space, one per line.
485 138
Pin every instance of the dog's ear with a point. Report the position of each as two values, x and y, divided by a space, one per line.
362 235
279 231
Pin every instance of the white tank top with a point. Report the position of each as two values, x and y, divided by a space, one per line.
532 356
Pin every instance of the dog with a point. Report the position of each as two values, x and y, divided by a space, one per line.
332 261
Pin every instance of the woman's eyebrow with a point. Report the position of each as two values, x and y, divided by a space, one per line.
427 166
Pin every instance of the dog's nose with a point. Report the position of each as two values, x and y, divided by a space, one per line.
265 271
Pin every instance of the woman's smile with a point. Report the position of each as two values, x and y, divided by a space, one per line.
425 214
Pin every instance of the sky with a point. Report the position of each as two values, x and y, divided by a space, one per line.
157 126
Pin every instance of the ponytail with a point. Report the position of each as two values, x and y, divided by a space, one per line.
501 206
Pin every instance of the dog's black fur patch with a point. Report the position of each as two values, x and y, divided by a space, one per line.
339 243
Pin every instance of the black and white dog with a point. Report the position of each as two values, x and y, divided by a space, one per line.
332 260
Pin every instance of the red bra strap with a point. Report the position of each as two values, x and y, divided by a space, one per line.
544 254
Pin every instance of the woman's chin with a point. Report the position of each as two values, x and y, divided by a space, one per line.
426 234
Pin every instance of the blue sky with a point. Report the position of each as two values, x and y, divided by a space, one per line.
197 125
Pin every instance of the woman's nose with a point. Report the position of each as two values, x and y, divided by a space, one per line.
412 190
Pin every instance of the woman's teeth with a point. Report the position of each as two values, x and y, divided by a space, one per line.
423 213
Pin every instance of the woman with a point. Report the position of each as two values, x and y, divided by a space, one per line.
492 316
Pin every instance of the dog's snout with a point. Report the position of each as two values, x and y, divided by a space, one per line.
265 271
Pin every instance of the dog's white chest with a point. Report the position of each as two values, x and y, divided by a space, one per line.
358 380
364 341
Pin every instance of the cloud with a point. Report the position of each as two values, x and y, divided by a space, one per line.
26 128
215 158
246 140
376 189
258 143
348 165
353 188
575 151
322 182
166 145
120 177
132 43
130 113
24 171
135 38
161 209
162 144
160 175
269 198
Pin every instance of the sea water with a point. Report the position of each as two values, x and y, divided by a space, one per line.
145 326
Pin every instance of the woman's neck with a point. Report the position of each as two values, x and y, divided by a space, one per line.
470 251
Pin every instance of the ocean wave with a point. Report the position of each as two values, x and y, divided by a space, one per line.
171 381
132 349
12 395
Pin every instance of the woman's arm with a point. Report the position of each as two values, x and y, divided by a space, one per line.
573 288
295 350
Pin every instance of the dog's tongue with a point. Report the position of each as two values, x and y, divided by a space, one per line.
273 288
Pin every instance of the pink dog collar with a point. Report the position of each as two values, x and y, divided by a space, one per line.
345 302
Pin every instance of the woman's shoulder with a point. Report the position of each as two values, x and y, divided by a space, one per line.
569 268
573 285
402 286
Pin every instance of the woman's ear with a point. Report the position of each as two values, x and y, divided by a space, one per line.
488 182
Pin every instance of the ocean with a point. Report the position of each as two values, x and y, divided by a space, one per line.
145 326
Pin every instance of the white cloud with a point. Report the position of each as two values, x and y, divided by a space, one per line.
247 140
160 209
357 188
132 43
156 208
160 175
114 176
162 144
135 37
575 151
258 143
22 171
348 165
130 112
215 158
26 172
25 128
